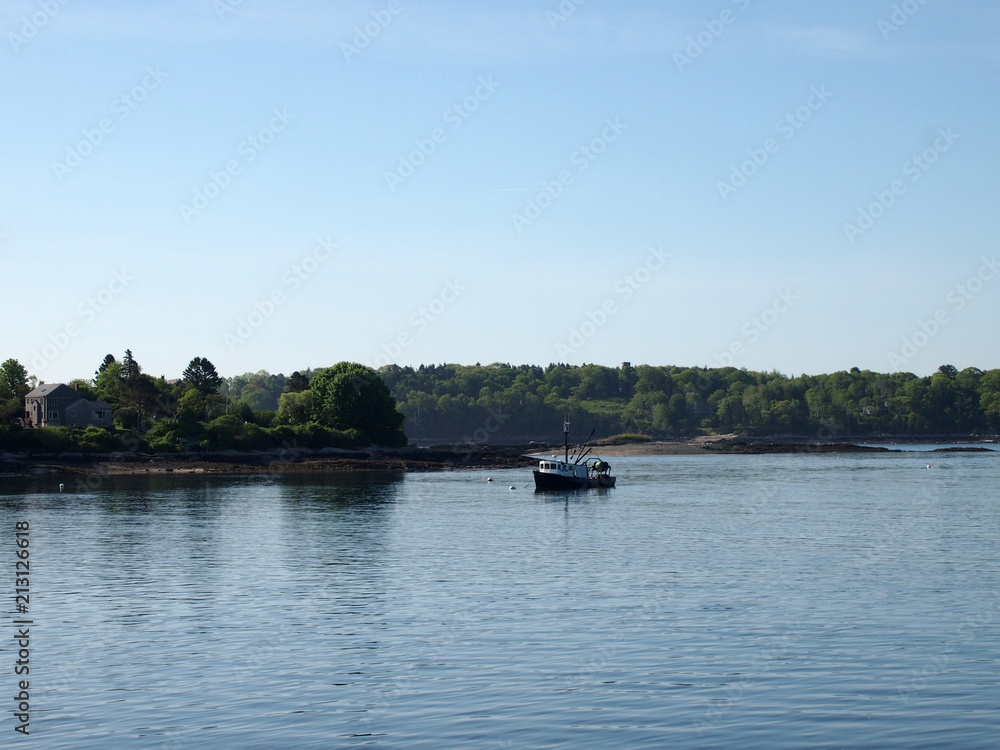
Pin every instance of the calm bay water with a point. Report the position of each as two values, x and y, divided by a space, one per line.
753 601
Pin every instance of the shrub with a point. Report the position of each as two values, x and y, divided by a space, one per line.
102 440
165 445
263 418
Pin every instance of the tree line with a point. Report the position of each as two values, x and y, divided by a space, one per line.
351 405
344 406
500 402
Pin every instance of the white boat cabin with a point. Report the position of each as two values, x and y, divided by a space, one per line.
562 468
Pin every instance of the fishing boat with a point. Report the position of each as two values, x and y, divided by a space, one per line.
573 472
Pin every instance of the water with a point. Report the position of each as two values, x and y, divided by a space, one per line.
707 601
932 447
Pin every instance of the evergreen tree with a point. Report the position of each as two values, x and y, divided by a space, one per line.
109 359
201 374
297 382
130 368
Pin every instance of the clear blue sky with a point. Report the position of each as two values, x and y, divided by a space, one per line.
562 145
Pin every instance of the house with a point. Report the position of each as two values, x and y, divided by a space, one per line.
58 405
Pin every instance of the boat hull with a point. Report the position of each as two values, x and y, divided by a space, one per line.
548 481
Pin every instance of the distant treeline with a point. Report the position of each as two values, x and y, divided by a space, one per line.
350 405
499 402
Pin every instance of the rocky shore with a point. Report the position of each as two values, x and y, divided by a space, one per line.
411 459
741 444
285 461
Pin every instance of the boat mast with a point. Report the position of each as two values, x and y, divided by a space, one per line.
566 439
583 455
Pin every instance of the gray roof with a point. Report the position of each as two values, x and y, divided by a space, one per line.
52 389
94 405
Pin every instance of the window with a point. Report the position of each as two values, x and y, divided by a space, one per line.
72 414
53 414
101 415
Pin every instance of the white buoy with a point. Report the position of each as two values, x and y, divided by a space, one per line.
489 479
513 487
61 486
928 466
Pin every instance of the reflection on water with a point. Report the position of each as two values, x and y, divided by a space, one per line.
735 600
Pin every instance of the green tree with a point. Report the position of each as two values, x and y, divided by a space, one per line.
13 388
133 395
191 407
109 359
130 368
259 389
201 374
297 382
295 408
13 380
989 399
352 396
139 401
108 384
84 388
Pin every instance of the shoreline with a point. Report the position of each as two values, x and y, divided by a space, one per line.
739 444
431 458
291 461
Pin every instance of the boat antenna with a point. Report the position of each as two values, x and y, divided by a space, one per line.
578 460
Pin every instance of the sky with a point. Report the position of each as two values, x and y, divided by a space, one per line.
797 186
